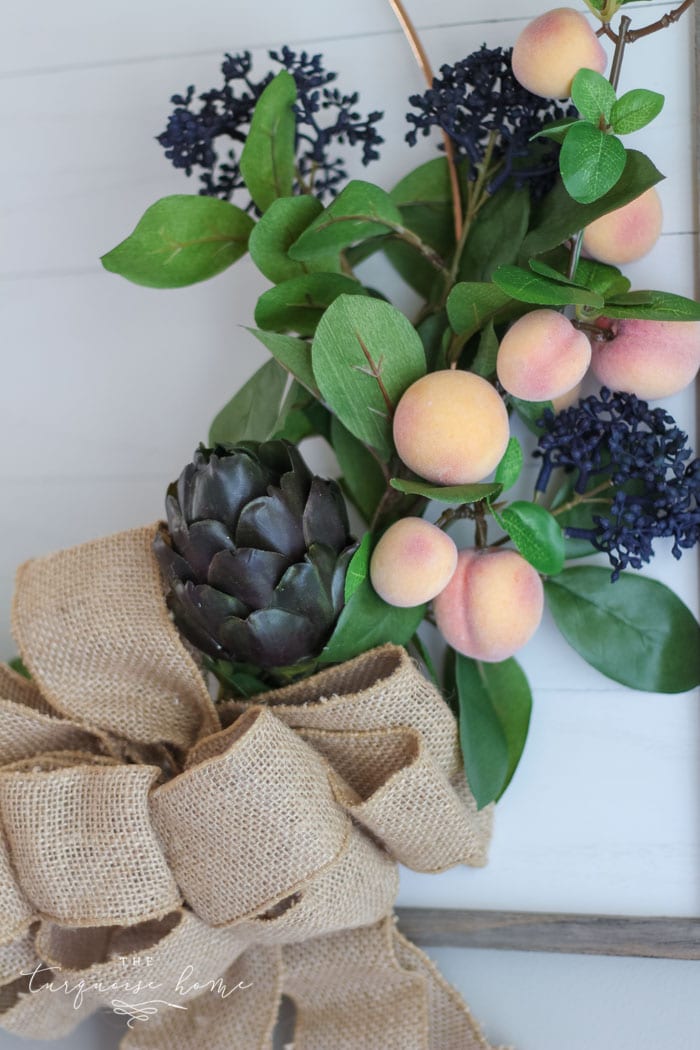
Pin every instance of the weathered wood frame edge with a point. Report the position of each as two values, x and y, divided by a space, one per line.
641 936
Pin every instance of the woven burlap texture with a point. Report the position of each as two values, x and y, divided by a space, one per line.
224 855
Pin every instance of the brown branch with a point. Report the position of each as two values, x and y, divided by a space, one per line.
607 30
662 23
423 61
636 34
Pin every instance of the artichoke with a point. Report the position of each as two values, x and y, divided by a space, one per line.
255 555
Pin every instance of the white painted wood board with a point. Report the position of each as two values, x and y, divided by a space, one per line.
107 387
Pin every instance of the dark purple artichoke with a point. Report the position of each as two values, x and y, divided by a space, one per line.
255 554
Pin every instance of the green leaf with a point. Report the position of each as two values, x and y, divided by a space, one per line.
180 240
602 278
471 304
427 184
556 130
508 470
362 475
537 535
580 516
358 569
297 305
294 422
283 222
252 412
593 95
367 621
484 363
544 270
431 331
293 354
267 158
425 203
425 658
449 493
495 704
591 162
364 355
530 412
635 631
634 110
413 267
659 306
496 234
560 216
361 211
532 288
16 664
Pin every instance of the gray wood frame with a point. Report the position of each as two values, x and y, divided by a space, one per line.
622 935
656 938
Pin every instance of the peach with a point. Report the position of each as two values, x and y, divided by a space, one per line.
551 50
567 399
626 234
451 427
412 562
651 359
492 605
542 356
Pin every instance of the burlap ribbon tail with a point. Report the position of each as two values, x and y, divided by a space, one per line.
186 864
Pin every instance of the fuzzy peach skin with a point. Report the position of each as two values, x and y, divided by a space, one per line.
551 50
566 400
652 359
451 427
412 562
492 605
626 234
542 356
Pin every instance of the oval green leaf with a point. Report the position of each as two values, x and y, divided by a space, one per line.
537 535
635 631
360 212
362 477
283 222
508 470
358 569
267 158
180 240
590 162
367 621
448 493
364 355
530 287
653 306
593 95
495 704
252 412
472 304
297 305
635 109
293 354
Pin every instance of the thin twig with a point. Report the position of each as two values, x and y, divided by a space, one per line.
636 34
423 61
662 23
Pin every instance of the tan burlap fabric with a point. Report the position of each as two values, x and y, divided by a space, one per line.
186 865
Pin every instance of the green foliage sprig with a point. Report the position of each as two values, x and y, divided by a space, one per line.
342 356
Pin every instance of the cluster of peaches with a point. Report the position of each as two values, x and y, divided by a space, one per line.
451 427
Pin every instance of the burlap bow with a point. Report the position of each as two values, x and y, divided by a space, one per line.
187 865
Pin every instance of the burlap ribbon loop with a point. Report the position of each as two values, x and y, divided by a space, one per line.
250 845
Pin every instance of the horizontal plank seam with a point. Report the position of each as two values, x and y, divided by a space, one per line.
74 67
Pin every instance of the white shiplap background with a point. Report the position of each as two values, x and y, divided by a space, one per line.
106 389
